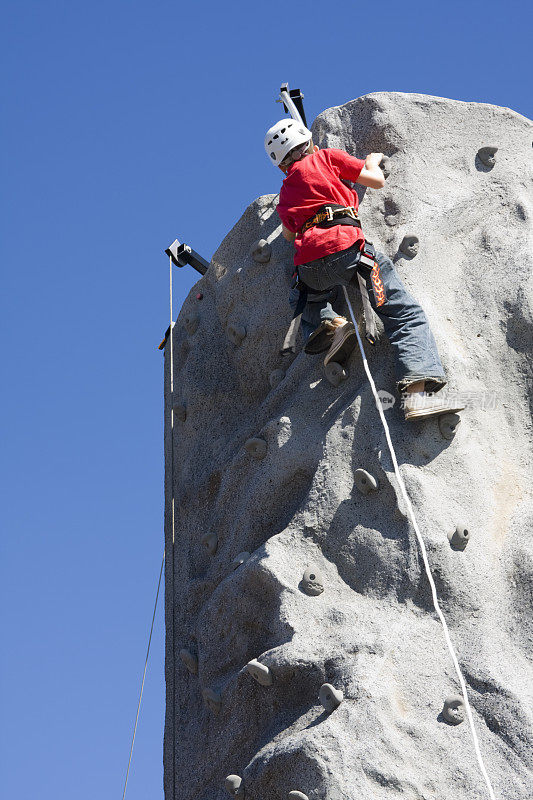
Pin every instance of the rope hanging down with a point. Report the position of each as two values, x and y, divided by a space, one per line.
173 527
164 551
144 676
423 551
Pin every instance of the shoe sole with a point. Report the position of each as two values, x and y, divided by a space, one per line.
343 349
421 413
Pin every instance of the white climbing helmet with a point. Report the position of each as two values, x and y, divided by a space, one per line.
282 137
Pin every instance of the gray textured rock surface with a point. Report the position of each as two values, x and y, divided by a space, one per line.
275 377
373 633
180 412
190 661
210 542
191 322
255 447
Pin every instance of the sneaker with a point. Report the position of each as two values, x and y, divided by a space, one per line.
320 339
417 405
342 343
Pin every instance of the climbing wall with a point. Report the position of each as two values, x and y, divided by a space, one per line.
303 655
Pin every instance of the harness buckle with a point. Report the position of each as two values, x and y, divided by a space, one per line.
329 212
366 260
369 250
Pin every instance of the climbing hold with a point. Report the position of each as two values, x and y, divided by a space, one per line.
276 377
199 296
236 333
233 786
191 323
330 697
190 661
260 672
459 538
486 155
335 373
242 558
257 448
409 246
210 542
391 212
312 582
454 710
364 481
180 411
297 796
448 425
261 251
385 166
212 700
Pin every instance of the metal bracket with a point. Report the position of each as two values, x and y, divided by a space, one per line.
292 102
182 254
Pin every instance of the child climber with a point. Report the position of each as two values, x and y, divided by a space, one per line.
318 212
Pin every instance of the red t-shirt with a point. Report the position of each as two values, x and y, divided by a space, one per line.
311 183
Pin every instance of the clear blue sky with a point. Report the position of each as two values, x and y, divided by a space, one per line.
126 125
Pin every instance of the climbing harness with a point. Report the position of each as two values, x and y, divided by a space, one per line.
423 553
144 677
367 266
333 214
367 262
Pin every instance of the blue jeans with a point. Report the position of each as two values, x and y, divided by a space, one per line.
406 325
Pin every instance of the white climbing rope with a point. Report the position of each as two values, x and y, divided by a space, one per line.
424 554
171 407
144 677
173 529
